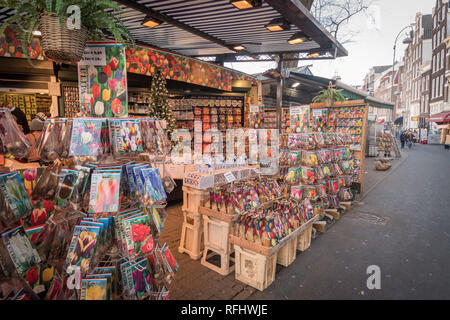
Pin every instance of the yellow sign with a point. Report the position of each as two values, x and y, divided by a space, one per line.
414 118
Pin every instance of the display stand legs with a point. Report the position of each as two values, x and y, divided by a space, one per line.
191 241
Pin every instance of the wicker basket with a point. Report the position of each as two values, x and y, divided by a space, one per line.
60 43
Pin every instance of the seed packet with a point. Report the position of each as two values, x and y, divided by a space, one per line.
322 189
319 119
336 170
108 277
345 194
102 233
325 202
326 169
94 289
109 270
309 158
297 192
139 178
295 158
39 278
141 279
125 136
319 173
170 263
66 184
22 253
47 184
345 166
54 138
153 184
311 193
56 287
13 190
12 139
123 275
334 201
293 175
131 180
138 235
82 247
308 175
104 194
332 186
85 138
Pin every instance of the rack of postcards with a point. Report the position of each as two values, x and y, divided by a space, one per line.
87 225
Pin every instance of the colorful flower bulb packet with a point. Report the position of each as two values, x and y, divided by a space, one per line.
345 166
140 279
311 192
319 118
119 229
326 169
169 261
153 184
85 139
82 247
322 189
309 158
299 119
131 184
126 136
138 235
308 175
297 192
94 289
21 252
102 234
123 275
67 180
108 270
332 186
80 184
13 190
105 191
139 179
108 277
40 278
293 175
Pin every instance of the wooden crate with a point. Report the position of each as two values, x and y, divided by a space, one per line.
287 254
216 234
304 239
191 241
347 205
193 199
254 269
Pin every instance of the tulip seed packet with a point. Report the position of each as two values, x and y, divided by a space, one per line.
131 181
138 235
105 191
39 278
169 260
108 277
13 190
81 183
153 184
85 140
140 279
319 119
94 289
65 187
82 247
101 238
123 275
108 270
21 251
299 119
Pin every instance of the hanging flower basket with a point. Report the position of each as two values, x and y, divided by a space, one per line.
60 43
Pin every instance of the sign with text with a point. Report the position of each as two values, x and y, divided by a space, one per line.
93 56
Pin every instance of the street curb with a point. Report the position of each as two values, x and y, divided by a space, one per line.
403 159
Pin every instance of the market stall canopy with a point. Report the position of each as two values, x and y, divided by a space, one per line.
440 117
212 28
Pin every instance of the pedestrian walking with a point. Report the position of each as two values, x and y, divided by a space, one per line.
409 139
402 139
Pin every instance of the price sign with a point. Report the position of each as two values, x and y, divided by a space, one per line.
229 177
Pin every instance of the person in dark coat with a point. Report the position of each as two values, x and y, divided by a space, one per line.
403 139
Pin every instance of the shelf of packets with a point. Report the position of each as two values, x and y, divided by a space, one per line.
103 220
317 167
100 215
384 142
348 120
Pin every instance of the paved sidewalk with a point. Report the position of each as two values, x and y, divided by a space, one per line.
412 247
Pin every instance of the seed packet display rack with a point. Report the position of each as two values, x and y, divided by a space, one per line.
57 219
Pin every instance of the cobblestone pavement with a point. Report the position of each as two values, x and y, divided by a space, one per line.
401 225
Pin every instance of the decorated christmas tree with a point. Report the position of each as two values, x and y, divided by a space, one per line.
159 107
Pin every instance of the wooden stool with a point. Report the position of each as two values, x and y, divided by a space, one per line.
191 241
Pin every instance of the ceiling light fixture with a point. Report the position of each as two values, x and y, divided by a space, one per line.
238 47
314 55
298 37
151 22
278 24
246 4
295 85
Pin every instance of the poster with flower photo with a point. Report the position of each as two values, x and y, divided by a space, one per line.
102 80
299 117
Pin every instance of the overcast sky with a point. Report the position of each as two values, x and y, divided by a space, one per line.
372 46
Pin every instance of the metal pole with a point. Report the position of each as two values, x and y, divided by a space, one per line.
280 84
